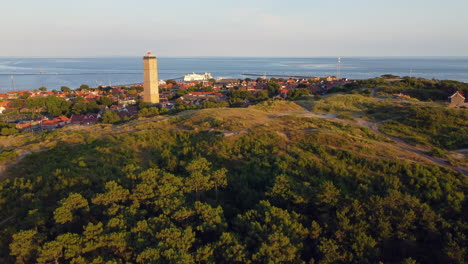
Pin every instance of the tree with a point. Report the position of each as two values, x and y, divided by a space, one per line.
297 93
84 87
16 103
261 96
110 117
171 82
199 179
132 92
273 88
92 107
23 245
64 213
328 194
50 252
42 89
25 95
65 89
57 106
230 249
79 108
219 180
274 235
104 100
207 89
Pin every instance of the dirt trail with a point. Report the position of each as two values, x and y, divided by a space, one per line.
421 152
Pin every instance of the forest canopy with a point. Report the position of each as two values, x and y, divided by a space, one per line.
230 186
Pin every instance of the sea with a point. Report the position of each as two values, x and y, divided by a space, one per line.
31 73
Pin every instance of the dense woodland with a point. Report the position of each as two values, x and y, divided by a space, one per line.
291 190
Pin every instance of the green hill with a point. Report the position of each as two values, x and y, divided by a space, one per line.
272 183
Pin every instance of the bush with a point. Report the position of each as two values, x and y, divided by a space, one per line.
8 154
110 117
437 152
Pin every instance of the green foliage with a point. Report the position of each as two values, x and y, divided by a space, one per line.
237 97
64 213
7 129
273 88
84 87
298 93
437 152
149 111
343 103
428 124
419 88
104 100
110 117
171 82
65 89
8 154
23 245
55 106
17 103
292 190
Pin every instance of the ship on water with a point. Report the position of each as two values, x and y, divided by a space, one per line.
197 77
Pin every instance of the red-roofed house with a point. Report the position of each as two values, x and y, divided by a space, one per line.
5 105
87 119
457 99
57 122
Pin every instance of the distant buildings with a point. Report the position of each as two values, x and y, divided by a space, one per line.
197 77
150 79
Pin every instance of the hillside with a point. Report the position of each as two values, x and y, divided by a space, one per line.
342 179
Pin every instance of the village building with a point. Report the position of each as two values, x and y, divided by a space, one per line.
86 119
457 99
227 83
194 97
57 122
127 101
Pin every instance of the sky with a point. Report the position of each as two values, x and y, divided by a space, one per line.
250 28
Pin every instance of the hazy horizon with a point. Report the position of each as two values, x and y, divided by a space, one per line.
233 57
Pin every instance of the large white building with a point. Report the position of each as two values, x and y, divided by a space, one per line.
197 77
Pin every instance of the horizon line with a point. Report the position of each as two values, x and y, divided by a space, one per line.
215 56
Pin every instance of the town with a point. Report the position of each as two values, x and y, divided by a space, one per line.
41 109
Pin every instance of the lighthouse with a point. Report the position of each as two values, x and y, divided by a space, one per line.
150 79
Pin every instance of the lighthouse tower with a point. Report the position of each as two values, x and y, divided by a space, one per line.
150 79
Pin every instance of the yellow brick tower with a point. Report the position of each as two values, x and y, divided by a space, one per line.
150 79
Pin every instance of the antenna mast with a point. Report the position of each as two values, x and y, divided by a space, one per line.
338 69
12 83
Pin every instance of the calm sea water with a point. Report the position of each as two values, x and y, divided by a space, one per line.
73 72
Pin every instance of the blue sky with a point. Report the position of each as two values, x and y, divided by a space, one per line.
297 28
